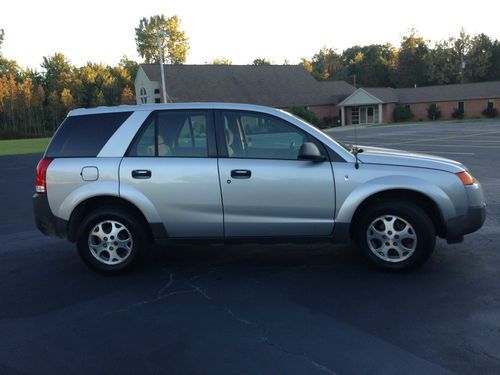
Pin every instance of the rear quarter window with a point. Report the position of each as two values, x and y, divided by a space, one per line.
85 135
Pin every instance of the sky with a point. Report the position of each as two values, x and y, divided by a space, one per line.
103 30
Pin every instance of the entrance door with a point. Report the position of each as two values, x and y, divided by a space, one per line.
266 190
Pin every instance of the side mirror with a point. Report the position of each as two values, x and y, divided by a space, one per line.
309 151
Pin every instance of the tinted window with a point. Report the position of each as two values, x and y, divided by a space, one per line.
84 136
259 136
174 134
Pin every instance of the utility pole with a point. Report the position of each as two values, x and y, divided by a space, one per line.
163 82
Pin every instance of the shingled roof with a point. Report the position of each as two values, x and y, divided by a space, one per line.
271 85
441 93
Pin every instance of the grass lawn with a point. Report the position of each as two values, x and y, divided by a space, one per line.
23 146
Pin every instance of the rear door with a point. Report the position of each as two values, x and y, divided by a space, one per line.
266 190
172 163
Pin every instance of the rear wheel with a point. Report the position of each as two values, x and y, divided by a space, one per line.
111 240
396 235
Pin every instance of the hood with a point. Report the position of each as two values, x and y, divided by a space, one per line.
378 155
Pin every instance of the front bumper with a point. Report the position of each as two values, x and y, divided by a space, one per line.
46 221
459 226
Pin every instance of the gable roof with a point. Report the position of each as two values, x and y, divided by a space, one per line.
271 85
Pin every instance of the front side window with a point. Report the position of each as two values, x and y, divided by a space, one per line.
259 136
173 134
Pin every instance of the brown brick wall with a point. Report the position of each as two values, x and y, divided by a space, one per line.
322 111
473 108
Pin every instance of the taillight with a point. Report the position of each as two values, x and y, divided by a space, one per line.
41 175
465 177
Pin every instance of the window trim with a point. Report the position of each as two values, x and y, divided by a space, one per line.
222 146
153 116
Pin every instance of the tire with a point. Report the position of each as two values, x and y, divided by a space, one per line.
111 240
396 235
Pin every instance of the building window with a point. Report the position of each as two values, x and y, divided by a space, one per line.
157 91
355 115
143 95
157 100
491 105
461 107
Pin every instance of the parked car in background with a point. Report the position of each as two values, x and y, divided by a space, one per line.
114 180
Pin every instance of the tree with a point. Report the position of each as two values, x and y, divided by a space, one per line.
222 61
413 61
174 43
128 96
58 72
262 61
373 65
326 64
2 38
67 99
131 66
478 58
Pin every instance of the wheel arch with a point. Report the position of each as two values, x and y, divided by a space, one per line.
420 199
88 205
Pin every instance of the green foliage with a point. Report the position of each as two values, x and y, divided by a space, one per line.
402 113
33 104
174 43
260 61
490 112
306 115
2 37
331 121
413 64
457 113
433 112
326 64
222 61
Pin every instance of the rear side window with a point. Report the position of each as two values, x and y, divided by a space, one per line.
174 134
85 136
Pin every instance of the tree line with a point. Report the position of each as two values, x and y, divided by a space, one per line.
416 62
33 103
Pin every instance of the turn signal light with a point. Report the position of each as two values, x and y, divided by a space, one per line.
466 178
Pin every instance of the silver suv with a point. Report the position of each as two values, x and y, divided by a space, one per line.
115 180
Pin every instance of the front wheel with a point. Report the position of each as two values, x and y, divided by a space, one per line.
396 235
111 240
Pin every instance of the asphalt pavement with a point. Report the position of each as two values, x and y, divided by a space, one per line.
247 309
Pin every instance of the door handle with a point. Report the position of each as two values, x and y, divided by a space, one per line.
141 173
241 173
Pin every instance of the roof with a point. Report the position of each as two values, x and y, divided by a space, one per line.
385 94
464 91
270 85
426 94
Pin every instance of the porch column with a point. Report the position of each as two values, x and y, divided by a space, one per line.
380 117
342 114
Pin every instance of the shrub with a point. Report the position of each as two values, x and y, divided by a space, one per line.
402 113
457 113
490 112
306 114
433 112
331 121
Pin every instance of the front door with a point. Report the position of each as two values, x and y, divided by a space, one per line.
266 191
172 168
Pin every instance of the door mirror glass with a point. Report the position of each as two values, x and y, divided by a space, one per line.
309 151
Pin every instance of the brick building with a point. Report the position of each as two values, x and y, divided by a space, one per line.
376 105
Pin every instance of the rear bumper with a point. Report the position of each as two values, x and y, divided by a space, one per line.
46 221
459 226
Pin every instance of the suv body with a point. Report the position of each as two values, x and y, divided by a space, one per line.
219 171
